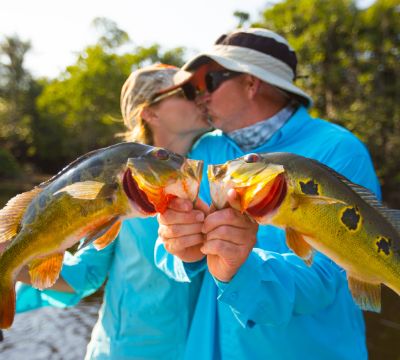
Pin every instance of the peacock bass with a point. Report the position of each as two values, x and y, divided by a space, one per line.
319 209
88 199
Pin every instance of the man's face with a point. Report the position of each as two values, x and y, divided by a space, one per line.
227 103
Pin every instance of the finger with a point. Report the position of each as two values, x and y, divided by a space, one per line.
226 216
201 205
232 234
171 217
175 231
178 245
179 204
234 199
220 248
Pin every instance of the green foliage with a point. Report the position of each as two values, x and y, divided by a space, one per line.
9 167
349 62
80 110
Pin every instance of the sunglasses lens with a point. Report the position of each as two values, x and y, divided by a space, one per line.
211 81
189 91
214 79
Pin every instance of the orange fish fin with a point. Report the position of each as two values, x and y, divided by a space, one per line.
108 237
44 272
366 295
299 246
85 190
7 305
11 215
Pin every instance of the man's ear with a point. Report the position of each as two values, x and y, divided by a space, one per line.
253 85
149 115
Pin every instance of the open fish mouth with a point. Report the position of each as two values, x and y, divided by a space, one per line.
135 194
272 196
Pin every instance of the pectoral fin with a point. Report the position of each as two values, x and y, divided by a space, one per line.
44 272
12 213
300 199
300 247
100 234
366 295
85 190
108 237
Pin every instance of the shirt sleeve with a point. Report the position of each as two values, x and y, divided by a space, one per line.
270 288
84 271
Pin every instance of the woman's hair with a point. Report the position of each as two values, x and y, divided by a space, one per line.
137 93
138 129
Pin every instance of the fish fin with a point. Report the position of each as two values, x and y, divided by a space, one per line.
11 215
299 246
299 199
392 215
98 232
366 295
7 304
108 237
85 190
44 272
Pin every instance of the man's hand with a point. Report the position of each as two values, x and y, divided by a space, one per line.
180 229
230 236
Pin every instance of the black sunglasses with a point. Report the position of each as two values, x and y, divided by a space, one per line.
214 79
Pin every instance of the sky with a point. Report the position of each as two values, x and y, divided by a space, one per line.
59 30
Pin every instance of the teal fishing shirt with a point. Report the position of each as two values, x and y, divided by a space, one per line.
144 314
276 307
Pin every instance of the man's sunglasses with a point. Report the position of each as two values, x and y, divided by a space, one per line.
214 79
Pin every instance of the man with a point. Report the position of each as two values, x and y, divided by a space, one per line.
259 300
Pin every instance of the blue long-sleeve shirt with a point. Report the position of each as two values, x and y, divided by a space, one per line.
144 315
276 307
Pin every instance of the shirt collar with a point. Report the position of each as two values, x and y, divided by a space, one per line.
252 136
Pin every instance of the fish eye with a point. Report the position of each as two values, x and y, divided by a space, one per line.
161 154
252 158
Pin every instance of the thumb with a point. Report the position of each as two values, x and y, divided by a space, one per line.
234 200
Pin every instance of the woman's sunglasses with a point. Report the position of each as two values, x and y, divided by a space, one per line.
188 91
212 79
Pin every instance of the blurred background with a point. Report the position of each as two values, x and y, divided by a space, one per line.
349 62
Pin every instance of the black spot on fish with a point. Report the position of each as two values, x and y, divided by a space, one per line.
350 218
309 188
384 245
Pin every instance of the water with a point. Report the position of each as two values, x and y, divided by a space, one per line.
63 334
51 334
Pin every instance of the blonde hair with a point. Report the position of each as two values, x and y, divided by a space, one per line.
136 95
138 129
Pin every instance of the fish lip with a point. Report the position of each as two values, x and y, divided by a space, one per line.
135 194
267 205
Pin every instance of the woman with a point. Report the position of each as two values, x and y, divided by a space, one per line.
144 314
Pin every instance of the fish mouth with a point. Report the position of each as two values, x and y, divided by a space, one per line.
275 193
135 194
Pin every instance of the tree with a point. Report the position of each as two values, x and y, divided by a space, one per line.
16 97
81 108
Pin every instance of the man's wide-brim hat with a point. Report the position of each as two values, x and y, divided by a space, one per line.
258 52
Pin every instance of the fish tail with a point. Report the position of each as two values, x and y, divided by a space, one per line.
7 303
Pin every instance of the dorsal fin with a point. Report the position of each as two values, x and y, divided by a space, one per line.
392 215
12 213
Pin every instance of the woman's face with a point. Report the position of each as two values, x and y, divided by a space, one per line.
180 117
